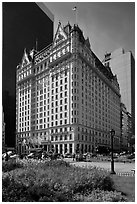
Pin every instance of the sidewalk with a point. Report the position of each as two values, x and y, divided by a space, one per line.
118 166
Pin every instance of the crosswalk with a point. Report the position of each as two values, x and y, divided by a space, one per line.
125 174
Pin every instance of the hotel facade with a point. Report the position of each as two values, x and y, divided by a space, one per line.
67 101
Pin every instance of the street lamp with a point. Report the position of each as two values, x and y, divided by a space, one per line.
49 142
112 133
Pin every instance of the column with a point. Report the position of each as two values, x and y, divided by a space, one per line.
73 148
63 149
59 148
68 148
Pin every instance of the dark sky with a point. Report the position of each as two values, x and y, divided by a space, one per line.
23 23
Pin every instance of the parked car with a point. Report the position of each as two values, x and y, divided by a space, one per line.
131 156
79 157
14 156
9 153
115 155
94 155
31 155
122 153
56 156
67 155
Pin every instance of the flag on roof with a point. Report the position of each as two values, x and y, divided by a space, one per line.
75 8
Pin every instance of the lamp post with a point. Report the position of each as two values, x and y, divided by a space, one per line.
112 132
49 142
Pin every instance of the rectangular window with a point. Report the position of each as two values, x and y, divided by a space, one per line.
65 148
70 136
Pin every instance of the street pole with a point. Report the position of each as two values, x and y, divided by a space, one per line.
112 132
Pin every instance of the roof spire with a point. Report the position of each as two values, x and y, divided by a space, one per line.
36 45
59 22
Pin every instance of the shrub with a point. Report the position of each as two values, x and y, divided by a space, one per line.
53 181
104 183
11 165
100 196
13 191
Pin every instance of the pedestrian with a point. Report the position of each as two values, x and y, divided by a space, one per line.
42 156
6 157
73 156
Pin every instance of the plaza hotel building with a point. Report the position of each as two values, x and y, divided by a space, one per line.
66 99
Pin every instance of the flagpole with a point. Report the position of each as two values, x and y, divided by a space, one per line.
76 14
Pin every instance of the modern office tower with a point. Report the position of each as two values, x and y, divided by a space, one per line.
131 137
123 65
67 101
25 24
124 128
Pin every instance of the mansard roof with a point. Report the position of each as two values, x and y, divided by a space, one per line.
60 35
25 59
67 28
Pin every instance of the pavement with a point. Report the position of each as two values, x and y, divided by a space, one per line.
119 167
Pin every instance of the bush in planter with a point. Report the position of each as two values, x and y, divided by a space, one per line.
54 181
101 196
11 165
13 191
